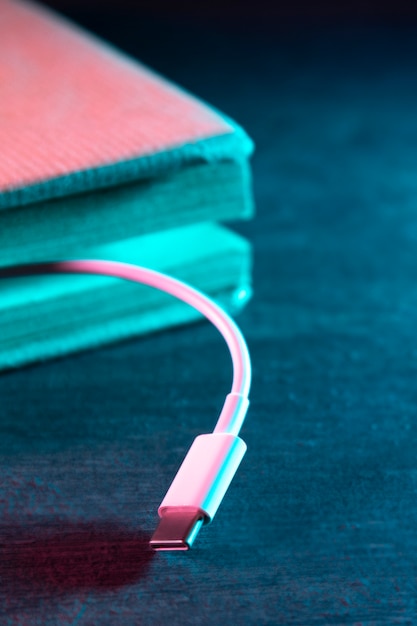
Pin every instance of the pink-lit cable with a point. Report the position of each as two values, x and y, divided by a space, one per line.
236 404
210 464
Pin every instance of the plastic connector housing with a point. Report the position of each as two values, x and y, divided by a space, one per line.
198 488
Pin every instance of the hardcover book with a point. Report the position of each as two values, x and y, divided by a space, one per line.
99 153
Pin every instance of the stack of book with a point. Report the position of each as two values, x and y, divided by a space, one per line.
103 158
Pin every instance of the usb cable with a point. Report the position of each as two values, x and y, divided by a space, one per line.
210 464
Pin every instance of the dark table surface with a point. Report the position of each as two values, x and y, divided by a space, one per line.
319 525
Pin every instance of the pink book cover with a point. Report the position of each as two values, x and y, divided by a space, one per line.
76 114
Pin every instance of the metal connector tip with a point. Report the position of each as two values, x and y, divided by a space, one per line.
177 529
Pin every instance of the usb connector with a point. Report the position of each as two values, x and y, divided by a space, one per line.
177 529
197 490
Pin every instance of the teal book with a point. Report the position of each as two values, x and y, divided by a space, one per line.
101 157
51 316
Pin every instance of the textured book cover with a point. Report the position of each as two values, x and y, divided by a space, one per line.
101 157
76 114
95 147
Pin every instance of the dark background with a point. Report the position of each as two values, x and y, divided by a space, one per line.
238 9
319 526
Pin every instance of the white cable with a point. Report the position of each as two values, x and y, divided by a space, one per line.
207 470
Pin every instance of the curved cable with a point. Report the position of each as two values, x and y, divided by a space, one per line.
235 408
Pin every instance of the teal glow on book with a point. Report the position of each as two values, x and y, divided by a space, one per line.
94 144
103 158
52 316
